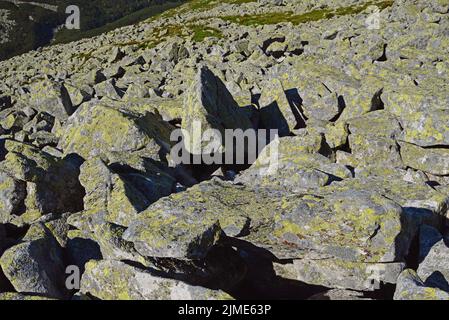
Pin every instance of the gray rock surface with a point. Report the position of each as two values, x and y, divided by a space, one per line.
347 199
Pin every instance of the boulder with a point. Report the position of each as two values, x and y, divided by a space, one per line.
93 130
434 269
411 287
293 164
209 105
12 196
52 184
115 280
14 296
353 225
36 266
338 273
339 294
52 97
126 193
431 160
276 111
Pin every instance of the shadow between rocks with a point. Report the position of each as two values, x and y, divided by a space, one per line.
261 281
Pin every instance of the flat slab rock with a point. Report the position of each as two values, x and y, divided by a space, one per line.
115 280
353 225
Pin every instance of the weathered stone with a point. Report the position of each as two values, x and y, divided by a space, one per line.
91 131
52 183
375 151
35 266
285 164
25 162
411 287
431 160
51 97
108 191
339 294
434 269
77 95
107 89
337 134
378 123
276 111
43 138
14 296
330 223
338 273
209 105
178 53
12 196
425 129
123 195
114 280
421 203
319 102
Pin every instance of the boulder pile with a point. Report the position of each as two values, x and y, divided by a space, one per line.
93 205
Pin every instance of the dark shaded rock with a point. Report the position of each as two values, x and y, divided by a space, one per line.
36 265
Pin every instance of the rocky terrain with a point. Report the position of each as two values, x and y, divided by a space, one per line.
358 208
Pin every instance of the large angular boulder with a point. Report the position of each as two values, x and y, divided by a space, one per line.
108 191
52 184
52 97
293 164
375 151
94 130
342 95
336 223
372 140
342 274
411 287
126 193
431 160
115 280
209 105
426 128
276 111
92 225
421 203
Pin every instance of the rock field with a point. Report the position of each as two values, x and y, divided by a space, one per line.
357 208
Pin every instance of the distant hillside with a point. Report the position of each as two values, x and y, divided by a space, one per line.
26 25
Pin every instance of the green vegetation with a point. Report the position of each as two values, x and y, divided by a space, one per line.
315 15
202 32
197 32
204 5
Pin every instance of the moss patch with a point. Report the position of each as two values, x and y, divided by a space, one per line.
202 32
